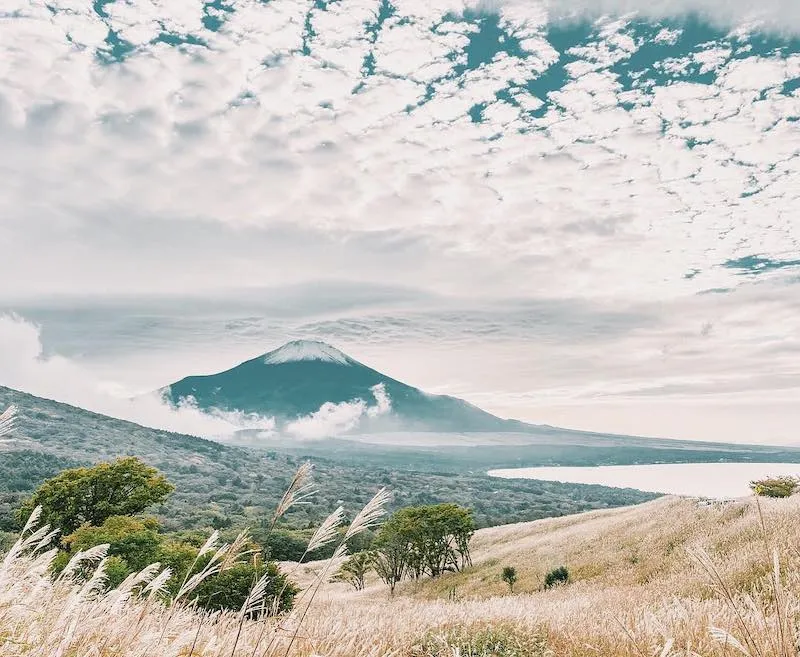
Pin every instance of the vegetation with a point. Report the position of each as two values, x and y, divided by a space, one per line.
509 576
229 488
483 639
354 570
423 541
775 486
93 495
705 581
556 577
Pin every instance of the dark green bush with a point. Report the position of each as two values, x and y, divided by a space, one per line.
556 576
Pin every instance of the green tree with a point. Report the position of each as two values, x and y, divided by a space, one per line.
509 576
124 487
775 486
230 588
424 540
135 540
355 569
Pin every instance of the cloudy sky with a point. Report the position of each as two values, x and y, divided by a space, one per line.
581 214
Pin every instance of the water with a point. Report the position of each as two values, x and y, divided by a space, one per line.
716 480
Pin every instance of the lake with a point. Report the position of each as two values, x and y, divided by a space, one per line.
717 480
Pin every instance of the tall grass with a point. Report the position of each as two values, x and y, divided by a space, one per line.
76 615
666 579
730 588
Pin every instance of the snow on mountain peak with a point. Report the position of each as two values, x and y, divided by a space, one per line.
302 350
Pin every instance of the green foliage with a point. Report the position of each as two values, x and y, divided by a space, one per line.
424 540
230 588
355 569
92 495
556 577
135 541
775 486
509 576
497 639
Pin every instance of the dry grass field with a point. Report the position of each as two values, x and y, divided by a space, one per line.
667 578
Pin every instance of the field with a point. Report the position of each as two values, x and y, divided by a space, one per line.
670 578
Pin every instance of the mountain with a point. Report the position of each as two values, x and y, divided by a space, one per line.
300 377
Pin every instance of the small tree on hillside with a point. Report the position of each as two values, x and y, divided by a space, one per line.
355 569
556 577
509 576
93 495
424 540
775 486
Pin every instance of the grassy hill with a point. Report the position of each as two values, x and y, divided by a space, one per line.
651 579
668 578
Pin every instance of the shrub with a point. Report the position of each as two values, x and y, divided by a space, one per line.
556 577
509 576
230 588
775 486
498 639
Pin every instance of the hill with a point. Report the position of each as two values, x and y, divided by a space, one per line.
652 579
669 578
225 485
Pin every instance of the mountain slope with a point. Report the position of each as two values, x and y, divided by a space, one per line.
300 377
221 483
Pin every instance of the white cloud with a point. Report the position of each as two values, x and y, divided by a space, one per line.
336 419
25 367
176 140
253 161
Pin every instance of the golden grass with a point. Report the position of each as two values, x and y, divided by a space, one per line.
664 579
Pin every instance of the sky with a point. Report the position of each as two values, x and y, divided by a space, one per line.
572 213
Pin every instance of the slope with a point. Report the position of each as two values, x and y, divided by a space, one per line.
645 580
227 485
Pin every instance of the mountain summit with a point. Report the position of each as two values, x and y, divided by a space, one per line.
304 350
305 377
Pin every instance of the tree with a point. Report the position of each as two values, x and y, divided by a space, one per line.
556 576
509 576
424 540
92 495
775 486
355 569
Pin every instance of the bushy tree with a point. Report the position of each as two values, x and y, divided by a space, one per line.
93 495
424 540
556 576
355 569
775 486
509 576
135 543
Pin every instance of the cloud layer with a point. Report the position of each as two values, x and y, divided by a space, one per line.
559 205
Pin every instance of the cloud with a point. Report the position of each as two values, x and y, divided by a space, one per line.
782 16
465 151
336 419
26 368
424 148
